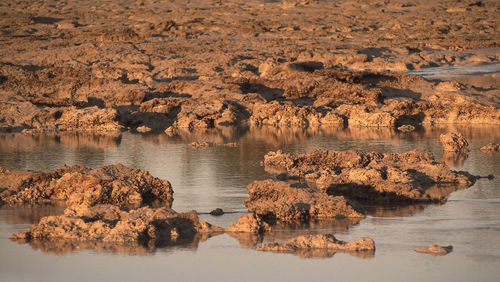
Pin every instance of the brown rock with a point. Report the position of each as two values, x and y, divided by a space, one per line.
435 250
491 147
143 129
113 184
217 212
454 142
249 223
406 128
271 199
319 246
109 223
372 177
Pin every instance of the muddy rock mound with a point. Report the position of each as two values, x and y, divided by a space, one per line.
277 200
454 142
109 223
372 177
319 246
113 184
435 250
491 147
249 223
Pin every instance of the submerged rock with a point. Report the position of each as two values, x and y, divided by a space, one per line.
435 250
454 142
110 223
319 246
491 147
372 177
113 184
271 199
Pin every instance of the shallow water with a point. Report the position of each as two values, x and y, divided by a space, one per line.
204 179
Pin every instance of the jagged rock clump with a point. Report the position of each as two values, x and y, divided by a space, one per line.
277 200
454 142
110 223
372 177
249 223
112 184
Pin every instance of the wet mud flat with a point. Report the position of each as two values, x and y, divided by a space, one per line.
154 66
289 127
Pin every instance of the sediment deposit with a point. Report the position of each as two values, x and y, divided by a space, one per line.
148 66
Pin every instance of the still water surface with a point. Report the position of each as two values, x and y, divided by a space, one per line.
204 179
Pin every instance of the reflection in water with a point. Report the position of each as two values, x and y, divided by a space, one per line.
32 214
454 159
326 253
217 177
282 231
64 246
396 211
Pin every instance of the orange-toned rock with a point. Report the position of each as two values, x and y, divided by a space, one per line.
435 250
277 200
113 184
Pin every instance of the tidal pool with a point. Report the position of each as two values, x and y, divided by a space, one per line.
216 177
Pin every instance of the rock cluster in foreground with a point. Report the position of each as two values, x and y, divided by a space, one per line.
77 185
105 206
110 223
372 177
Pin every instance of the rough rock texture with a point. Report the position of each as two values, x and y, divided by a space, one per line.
109 223
491 147
113 184
277 200
138 65
372 177
435 250
454 142
319 246
249 223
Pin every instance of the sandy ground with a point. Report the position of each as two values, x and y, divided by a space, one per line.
110 66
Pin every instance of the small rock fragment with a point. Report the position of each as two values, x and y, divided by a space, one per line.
249 223
406 128
491 147
143 129
217 212
454 142
435 250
